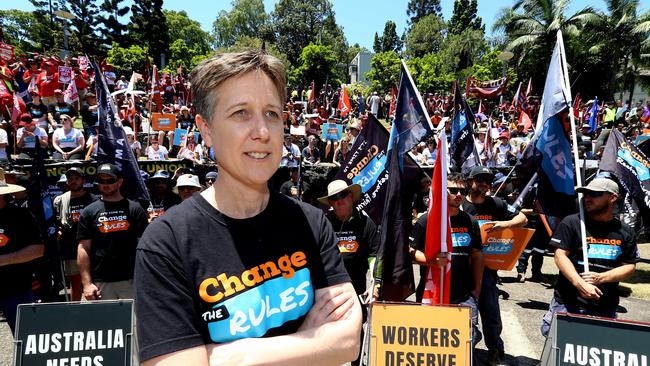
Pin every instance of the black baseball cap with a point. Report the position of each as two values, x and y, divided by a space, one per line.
109 169
481 170
75 170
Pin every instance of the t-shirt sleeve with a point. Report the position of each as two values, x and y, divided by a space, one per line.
373 237
418 234
166 319
475 233
508 211
630 253
334 271
27 230
140 218
564 235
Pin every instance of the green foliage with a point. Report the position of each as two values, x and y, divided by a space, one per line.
489 67
352 52
181 27
426 36
85 25
465 17
246 19
246 42
384 71
19 28
417 9
149 27
430 73
318 63
112 29
462 50
389 41
127 60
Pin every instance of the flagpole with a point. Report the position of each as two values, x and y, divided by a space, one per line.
574 139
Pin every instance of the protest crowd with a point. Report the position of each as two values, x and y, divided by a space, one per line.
51 116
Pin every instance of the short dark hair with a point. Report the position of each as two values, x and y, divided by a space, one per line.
457 178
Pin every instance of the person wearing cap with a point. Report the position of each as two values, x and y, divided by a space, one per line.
108 234
48 82
162 198
504 152
354 130
480 145
67 141
229 247
134 144
356 234
59 108
187 185
27 136
89 116
612 256
294 187
210 178
68 207
20 244
496 214
466 258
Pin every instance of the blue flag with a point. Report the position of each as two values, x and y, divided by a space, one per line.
593 116
113 147
411 122
462 150
549 153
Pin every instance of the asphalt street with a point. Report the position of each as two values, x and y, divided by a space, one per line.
522 308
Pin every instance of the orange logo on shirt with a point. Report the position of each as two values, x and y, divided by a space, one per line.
113 226
348 246
75 216
4 240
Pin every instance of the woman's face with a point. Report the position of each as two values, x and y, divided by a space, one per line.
246 129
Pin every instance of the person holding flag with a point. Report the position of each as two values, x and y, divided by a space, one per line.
496 213
466 257
612 256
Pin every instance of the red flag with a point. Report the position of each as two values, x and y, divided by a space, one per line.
393 100
312 93
344 102
515 98
576 107
17 109
180 71
525 119
438 237
155 87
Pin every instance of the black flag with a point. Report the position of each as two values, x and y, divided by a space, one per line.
462 150
394 270
113 146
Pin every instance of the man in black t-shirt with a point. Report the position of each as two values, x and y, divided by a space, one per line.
89 114
20 243
294 187
496 213
109 230
612 256
466 256
68 207
55 110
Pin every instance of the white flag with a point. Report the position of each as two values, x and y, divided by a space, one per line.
71 94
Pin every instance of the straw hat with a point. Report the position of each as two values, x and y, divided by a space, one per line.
6 188
338 186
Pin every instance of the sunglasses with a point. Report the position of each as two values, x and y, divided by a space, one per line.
594 194
107 181
339 196
455 191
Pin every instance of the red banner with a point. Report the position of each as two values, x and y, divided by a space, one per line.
485 89
6 52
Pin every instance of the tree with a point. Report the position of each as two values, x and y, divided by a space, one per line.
417 9
431 73
46 31
389 41
464 17
352 52
19 29
318 63
84 24
297 23
376 44
384 71
426 35
180 26
127 60
247 18
113 30
149 27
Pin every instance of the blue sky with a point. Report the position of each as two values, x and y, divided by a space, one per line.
360 18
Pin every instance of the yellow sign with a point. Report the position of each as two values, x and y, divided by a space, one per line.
417 335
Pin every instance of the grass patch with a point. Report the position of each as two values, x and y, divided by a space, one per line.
639 284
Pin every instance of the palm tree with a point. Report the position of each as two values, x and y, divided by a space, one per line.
532 25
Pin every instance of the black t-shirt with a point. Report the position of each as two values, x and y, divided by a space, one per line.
18 229
159 207
611 244
183 122
420 201
88 117
36 111
492 209
465 236
203 277
57 109
289 188
357 239
114 228
68 240
311 156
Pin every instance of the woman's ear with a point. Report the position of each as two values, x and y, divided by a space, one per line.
204 128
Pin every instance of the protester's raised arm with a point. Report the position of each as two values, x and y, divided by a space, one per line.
327 343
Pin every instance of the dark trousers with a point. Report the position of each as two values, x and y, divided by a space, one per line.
488 306
536 261
9 307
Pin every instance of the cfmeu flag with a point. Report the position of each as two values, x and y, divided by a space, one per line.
549 152
630 165
438 238
113 146
462 151
344 102
394 270
411 118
